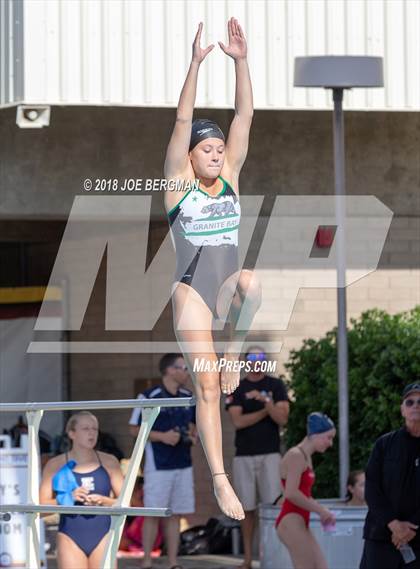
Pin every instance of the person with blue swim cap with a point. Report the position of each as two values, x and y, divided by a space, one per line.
298 477
318 423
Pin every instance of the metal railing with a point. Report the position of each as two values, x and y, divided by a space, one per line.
118 512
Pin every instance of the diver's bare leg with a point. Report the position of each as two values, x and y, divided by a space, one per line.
191 312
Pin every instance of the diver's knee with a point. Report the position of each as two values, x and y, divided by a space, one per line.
208 388
249 286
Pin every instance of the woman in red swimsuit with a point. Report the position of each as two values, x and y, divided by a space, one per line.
298 478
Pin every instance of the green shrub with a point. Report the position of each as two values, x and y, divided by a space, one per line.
384 356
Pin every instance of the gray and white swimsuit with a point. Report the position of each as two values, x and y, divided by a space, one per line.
204 232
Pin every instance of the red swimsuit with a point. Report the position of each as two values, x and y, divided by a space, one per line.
306 482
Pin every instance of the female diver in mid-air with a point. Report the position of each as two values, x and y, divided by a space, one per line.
204 225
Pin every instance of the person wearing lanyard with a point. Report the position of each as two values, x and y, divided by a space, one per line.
391 535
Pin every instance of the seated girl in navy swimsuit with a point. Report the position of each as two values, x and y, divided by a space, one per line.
81 538
297 478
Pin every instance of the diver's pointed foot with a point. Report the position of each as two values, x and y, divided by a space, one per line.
229 380
226 498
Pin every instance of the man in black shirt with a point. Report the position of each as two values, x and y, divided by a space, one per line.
258 407
393 493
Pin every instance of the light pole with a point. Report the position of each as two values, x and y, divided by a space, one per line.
339 73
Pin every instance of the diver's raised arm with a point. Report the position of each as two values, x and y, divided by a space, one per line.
176 160
187 98
238 138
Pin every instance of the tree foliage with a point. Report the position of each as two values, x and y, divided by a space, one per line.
384 356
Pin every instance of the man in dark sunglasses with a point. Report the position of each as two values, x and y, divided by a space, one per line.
391 532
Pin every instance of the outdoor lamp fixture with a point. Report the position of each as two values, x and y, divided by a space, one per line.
339 72
33 116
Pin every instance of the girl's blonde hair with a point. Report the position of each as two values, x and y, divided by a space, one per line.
72 422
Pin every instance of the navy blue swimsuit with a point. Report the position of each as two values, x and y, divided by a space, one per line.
88 530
